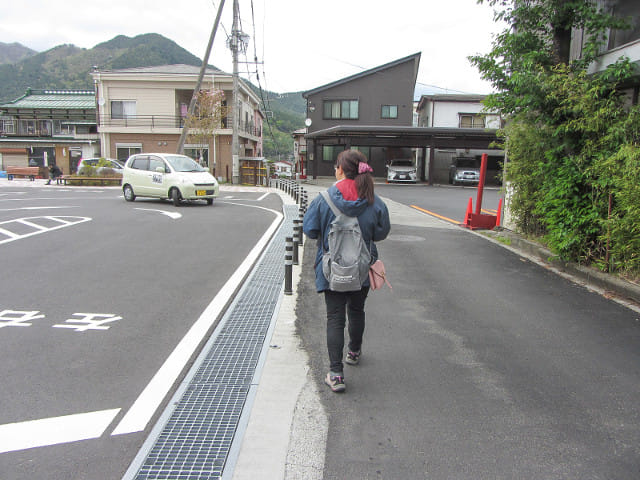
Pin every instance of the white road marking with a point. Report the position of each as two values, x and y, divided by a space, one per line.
54 430
65 221
35 208
263 196
136 419
31 224
174 215
90 321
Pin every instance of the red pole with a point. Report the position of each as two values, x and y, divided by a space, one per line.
499 217
483 174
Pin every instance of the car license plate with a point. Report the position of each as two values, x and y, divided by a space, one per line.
402 177
201 193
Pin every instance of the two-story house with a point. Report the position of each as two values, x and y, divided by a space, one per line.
458 111
374 112
47 127
144 109
379 97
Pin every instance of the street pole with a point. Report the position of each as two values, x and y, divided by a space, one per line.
203 68
235 146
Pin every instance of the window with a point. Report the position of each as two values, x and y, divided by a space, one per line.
8 126
123 109
194 152
471 120
27 127
44 128
330 153
626 9
389 111
60 128
140 163
155 162
340 109
366 151
124 151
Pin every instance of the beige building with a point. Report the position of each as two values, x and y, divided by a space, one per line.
144 109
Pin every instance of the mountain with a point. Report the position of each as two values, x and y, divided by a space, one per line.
68 66
14 52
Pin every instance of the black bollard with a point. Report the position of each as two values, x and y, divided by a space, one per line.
288 266
296 240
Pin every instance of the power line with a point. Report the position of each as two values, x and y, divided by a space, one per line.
264 103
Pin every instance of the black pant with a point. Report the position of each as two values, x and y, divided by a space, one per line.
340 306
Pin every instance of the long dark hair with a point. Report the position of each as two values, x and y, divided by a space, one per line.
350 160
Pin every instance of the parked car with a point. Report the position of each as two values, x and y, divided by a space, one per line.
402 170
103 165
465 170
163 175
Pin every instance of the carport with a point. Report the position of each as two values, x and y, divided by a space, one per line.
396 137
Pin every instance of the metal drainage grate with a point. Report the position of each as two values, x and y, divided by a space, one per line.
195 441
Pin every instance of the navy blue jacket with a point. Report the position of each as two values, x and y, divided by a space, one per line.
373 220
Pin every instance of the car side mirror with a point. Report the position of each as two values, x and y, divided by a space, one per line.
160 169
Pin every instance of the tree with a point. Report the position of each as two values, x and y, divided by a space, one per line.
537 38
570 139
206 119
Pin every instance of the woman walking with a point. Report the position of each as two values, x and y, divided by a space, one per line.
353 195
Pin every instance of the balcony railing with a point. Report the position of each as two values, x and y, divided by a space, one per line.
168 121
144 121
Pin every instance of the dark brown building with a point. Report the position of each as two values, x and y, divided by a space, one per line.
380 97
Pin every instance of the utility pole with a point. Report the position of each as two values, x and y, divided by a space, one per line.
235 146
203 68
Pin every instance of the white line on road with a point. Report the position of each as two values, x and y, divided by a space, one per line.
263 196
54 430
66 221
136 419
35 208
174 215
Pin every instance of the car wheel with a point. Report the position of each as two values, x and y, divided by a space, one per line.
129 196
176 197
209 201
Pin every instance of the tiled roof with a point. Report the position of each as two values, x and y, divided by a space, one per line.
54 99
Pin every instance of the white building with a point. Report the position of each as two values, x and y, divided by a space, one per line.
458 111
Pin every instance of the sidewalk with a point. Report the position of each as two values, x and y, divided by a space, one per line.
287 429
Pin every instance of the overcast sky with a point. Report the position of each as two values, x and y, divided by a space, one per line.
303 44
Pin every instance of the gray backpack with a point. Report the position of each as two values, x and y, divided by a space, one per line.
346 264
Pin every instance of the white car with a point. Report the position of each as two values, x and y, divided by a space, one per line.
165 175
402 170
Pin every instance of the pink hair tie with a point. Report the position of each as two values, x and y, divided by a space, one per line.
364 167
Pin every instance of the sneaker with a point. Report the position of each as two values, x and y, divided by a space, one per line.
353 358
335 382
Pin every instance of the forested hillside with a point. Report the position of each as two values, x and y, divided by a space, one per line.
14 52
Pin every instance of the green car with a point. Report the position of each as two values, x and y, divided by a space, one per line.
167 176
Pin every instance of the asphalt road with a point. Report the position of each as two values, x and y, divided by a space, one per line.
479 364
96 295
449 202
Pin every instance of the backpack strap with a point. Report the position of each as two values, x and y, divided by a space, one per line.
325 194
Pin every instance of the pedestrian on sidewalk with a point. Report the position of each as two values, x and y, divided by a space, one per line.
54 174
353 194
